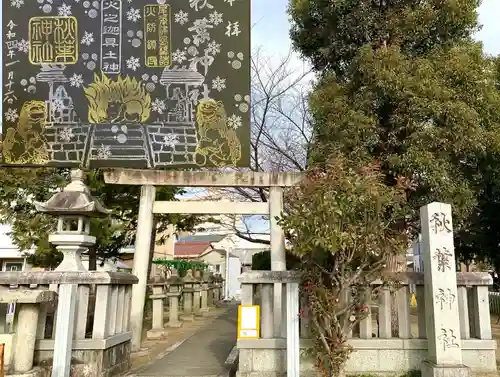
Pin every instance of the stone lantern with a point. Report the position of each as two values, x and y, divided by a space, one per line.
74 206
197 293
211 289
215 289
187 295
204 292
174 283
158 284
218 287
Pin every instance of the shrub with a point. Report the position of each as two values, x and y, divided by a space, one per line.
262 261
181 265
345 223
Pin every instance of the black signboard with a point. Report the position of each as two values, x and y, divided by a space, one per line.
126 83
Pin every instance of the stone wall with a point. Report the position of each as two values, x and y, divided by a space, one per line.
173 143
108 362
67 143
381 357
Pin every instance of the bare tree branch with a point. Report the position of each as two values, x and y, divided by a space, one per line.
280 125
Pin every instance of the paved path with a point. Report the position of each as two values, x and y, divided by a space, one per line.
203 354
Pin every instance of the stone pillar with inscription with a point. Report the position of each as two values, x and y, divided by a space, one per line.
444 357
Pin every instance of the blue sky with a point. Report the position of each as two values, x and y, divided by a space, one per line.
490 34
271 25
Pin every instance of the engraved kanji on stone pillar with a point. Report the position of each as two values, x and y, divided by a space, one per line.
441 304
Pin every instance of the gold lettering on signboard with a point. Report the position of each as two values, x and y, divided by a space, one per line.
152 61
53 40
157 35
152 44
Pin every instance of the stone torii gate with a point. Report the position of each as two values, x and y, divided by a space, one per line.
148 179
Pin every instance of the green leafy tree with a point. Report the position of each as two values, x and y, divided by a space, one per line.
480 240
20 187
404 84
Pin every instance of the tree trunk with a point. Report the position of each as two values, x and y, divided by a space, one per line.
92 259
341 372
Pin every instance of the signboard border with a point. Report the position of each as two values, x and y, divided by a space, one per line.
257 329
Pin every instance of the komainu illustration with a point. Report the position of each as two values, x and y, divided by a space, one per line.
26 143
217 142
120 101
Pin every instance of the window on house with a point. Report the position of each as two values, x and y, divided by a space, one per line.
217 268
13 266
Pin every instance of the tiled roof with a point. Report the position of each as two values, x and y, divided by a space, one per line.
190 249
203 238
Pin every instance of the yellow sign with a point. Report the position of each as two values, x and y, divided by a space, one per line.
248 322
53 40
413 302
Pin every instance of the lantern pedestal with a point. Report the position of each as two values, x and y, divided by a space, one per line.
72 246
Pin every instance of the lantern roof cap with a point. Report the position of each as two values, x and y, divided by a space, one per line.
75 199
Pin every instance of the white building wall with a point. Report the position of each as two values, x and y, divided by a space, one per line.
234 286
9 252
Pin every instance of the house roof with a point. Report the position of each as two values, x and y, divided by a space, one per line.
219 251
203 238
190 249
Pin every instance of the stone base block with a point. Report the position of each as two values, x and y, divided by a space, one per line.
35 372
205 312
260 374
108 362
140 352
187 317
156 333
430 369
175 325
